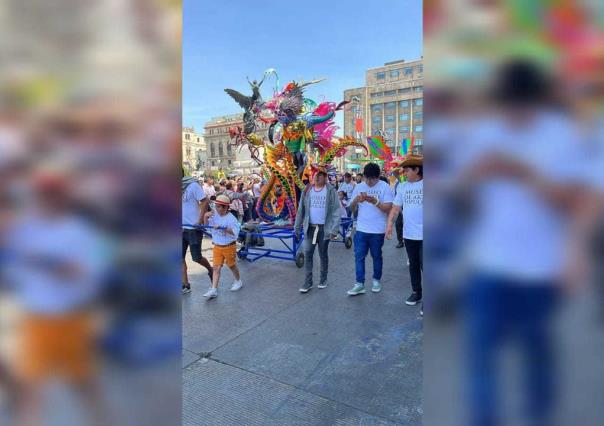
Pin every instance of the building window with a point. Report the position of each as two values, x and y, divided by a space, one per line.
380 75
403 117
198 140
419 115
213 163
404 104
377 119
376 108
394 74
390 93
377 95
230 162
212 150
419 101
229 149
391 105
419 128
390 118
389 131
403 129
404 91
420 68
419 141
188 151
220 150
408 71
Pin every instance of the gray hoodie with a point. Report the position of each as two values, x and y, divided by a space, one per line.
332 213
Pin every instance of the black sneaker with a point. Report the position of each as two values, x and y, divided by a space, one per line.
306 287
413 299
400 244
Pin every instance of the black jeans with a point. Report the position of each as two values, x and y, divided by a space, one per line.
399 227
309 251
416 263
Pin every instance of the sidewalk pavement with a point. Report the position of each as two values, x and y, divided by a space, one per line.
269 355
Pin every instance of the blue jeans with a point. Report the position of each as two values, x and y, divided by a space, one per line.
499 309
363 244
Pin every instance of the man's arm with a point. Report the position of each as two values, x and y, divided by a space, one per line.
203 207
336 215
300 214
355 201
384 207
394 212
391 219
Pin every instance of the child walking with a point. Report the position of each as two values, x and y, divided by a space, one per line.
225 230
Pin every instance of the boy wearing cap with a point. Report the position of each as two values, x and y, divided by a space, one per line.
225 230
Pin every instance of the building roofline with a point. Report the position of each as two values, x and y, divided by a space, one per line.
399 61
356 88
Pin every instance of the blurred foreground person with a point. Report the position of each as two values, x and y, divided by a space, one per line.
525 172
57 265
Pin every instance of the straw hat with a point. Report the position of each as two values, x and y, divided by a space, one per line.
223 200
412 161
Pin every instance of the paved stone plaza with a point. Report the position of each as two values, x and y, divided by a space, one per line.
269 355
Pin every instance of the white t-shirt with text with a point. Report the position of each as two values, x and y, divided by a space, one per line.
318 202
370 219
517 232
410 196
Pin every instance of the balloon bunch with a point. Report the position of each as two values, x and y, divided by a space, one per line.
300 133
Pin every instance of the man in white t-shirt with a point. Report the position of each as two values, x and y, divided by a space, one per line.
347 186
410 197
525 172
373 200
208 187
194 205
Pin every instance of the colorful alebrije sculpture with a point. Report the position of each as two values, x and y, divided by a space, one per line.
300 136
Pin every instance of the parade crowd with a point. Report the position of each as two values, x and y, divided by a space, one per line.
378 203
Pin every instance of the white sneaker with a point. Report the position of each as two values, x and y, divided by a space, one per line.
236 285
211 293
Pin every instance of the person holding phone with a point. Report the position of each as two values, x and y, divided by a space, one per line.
372 199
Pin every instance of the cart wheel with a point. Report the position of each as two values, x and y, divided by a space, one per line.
348 242
300 260
241 254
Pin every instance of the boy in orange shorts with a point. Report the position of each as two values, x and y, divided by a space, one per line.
225 230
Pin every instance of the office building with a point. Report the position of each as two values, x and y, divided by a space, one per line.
390 103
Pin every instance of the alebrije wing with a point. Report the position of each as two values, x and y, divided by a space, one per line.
244 102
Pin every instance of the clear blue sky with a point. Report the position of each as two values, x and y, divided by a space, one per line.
226 40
